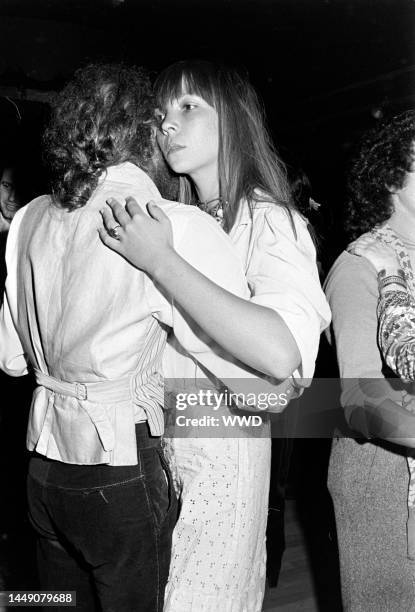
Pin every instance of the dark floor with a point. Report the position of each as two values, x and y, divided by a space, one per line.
298 590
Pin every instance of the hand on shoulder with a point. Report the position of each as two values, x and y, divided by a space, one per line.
145 240
380 255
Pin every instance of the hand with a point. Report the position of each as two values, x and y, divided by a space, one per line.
408 401
380 255
144 240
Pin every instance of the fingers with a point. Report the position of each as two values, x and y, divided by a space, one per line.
109 241
156 212
365 245
367 241
408 403
351 246
357 250
109 220
115 214
119 214
132 208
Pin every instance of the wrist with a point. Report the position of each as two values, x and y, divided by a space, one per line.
164 265
391 280
391 269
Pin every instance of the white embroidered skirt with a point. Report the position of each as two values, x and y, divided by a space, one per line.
219 555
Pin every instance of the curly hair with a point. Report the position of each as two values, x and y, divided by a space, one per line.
384 158
103 117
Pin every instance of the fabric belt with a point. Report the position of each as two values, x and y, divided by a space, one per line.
105 391
102 392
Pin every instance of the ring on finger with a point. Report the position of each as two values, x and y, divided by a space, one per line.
114 233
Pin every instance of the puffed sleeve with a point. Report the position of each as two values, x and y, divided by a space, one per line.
282 274
12 355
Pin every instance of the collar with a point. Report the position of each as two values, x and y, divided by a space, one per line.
244 216
130 173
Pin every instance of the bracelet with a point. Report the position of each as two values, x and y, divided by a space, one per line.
391 280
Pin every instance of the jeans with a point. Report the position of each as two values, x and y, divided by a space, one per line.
105 532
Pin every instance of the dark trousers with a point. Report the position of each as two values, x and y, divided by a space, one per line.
105 532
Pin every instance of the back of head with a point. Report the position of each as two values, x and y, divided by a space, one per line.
103 117
248 163
385 155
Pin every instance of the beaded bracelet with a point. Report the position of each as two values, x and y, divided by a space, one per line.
391 280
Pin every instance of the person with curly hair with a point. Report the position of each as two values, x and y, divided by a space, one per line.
368 473
93 329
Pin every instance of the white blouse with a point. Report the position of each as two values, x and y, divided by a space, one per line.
79 313
282 274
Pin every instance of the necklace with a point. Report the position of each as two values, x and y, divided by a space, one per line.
215 211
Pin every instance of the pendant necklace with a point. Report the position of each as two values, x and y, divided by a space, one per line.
215 211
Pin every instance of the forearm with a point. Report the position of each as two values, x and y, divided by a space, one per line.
396 336
254 334
387 421
373 407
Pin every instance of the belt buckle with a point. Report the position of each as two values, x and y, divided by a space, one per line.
81 391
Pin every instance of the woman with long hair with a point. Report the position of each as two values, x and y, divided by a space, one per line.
212 134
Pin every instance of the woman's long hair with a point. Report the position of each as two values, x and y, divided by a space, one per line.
249 167
103 117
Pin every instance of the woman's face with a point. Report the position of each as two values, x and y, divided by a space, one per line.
9 203
189 136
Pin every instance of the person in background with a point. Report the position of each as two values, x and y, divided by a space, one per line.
368 475
9 198
9 205
212 134
301 191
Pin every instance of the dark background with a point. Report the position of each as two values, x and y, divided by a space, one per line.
326 69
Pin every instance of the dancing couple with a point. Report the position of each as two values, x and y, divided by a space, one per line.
231 272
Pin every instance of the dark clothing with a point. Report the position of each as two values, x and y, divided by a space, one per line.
105 531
